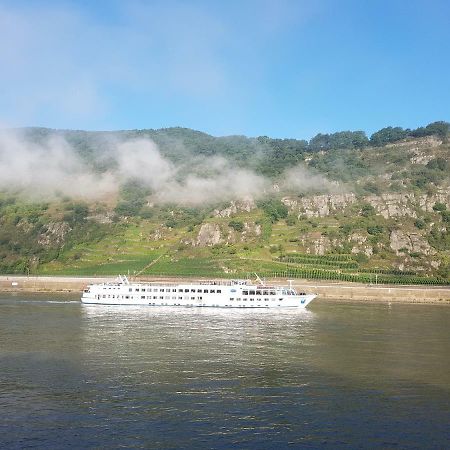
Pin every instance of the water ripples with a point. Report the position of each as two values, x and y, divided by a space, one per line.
336 376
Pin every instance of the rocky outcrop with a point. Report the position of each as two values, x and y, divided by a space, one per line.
159 234
411 242
321 245
251 230
54 234
102 217
401 205
245 205
360 245
315 243
393 205
426 202
387 205
209 234
319 205
421 158
426 142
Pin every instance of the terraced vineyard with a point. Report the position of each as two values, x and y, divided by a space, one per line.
382 217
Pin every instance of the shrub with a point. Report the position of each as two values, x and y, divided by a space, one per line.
420 224
274 209
367 210
438 164
439 206
291 220
445 216
371 187
237 225
375 229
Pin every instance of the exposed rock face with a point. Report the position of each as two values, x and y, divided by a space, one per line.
393 205
209 235
236 206
102 217
54 234
421 158
25 226
417 144
158 234
426 202
251 229
316 244
387 205
360 244
322 245
412 242
319 205
398 205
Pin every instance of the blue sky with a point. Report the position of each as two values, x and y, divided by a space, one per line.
275 68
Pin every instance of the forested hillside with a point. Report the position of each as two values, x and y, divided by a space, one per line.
181 202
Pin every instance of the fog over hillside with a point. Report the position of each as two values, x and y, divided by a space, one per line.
43 168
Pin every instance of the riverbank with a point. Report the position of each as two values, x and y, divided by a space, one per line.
325 290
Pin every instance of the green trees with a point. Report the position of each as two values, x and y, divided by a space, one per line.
439 206
274 209
440 129
388 135
237 225
339 140
133 194
367 210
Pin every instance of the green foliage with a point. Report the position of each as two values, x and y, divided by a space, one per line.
342 165
340 140
132 194
439 206
318 261
341 157
440 129
291 220
274 209
388 135
361 258
146 212
237 225
367 210
372 188
438 164
439 239
129 208
445 216
375 229
178 217
346 228
420 224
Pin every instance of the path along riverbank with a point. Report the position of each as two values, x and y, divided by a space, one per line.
325 290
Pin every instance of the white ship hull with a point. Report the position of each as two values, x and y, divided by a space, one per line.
235 294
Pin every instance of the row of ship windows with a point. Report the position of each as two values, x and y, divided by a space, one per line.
191 304
167 297
210 291
204 291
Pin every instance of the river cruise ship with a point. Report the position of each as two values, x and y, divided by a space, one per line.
218 294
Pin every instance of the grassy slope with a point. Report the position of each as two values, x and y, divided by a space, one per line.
144 246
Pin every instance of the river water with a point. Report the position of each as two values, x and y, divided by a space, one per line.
338 375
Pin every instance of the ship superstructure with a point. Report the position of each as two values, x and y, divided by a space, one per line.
219 294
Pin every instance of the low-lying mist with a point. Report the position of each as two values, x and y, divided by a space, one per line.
53 168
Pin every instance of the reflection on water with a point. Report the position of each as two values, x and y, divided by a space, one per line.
335 375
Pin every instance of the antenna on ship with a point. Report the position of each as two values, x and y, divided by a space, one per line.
290 284
259 279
